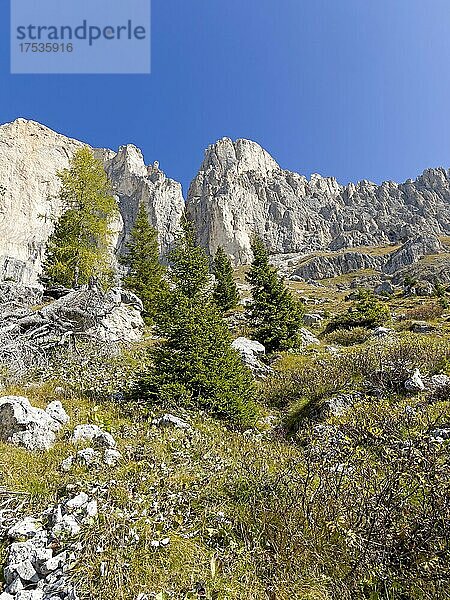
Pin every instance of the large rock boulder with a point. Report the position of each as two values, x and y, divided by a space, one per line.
114 316
24 425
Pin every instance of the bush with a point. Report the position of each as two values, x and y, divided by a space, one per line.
347 337
377 367
366 311
425 312
367 514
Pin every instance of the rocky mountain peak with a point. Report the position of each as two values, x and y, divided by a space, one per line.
241 191
236 158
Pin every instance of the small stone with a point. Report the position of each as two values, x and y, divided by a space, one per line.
422 327
307 338
92 508
67 464
9 573
78 501
381 332
93 433
111 457
438 381
440 435
171 420
88 455
56 411
25 425
26 572
30 595
66 526
27 528
15 587
415 383
54 563
312 319
20 551
333 350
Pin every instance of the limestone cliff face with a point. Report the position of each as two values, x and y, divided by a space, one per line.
240 190
30 157
133 183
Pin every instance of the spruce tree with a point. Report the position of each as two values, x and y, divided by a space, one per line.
145 275
195 365
275 317
225 290
79 248
189 265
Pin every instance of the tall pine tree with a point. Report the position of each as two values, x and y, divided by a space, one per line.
145 275
275 317
80 246
225 290
195 365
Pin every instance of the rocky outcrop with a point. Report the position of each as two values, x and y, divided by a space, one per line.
27 336
43 550
30 157
240 190
323 267
412 251
114 316
251 353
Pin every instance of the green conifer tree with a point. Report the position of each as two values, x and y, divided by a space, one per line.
195 365
225 290
145 275
189 268
79 248
275 317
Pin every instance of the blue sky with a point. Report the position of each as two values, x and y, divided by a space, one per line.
356 89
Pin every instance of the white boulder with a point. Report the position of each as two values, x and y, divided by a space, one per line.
415 383
307 338
25 425
93 433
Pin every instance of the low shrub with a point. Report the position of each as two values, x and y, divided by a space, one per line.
367 513
347 337
425 312
366 311
379 367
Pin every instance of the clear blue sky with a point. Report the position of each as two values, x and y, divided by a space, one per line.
357 89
